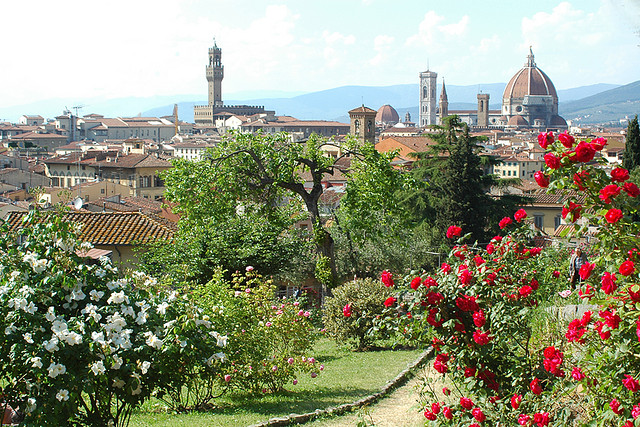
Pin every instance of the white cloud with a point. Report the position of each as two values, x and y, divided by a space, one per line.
457 28
383 46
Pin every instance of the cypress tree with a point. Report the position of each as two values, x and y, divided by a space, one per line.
631 157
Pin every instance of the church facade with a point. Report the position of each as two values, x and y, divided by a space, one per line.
529 101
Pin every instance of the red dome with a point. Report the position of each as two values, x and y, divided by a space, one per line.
387 114
530 80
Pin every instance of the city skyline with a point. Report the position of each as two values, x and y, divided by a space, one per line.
143 48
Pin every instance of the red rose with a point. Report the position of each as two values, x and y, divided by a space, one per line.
608 192
541 418
446 268
479 318
586 269
390 301
627 268
453 230
430 281
613 215
598 143
555 274
440 366
615 407
552 161
584 152
347 310
435 407
535 386
520 215
619 175
446 391
630 383
566 139
504 222
579 179
545 139
466 403
478 415
469 372
631 189
430 415
481 338
577 374
446 411
516 399
608 283
478 260
525 291
387 278
541 179
524 419
415 283
573 210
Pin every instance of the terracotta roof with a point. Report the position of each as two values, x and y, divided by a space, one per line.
112 228
543 198
415 143
363 109
518 121
530 80
387 114
34 135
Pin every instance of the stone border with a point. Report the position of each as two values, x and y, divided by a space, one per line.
399 380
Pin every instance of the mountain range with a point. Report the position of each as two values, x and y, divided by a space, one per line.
598 103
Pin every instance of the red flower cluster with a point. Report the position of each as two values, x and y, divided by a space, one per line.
387 278
541 179
613 215
608 283
534 386
552 361
615 407
347 310
516 399
573 210
481 338
579 179
631 383
520 215
467 303
453 231
577 374
390 301
619 175
479 318
415 283
440 364
566 139
505 222
586 269
627 268
578 327
608 192
552 161
545 139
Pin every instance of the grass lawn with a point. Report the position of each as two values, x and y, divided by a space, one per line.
348 376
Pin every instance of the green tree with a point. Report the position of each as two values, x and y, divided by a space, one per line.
263 176
631 157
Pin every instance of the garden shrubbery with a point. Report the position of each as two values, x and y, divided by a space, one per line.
350 314
479 311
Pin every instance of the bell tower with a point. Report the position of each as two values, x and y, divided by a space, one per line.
215 74
427 98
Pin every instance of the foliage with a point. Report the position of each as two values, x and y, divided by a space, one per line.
350 313
269 338
81 345
479 312
631 158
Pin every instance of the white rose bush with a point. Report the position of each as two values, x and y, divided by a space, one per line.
81 345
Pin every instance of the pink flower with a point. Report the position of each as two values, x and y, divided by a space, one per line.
453 231
630 383
295 381
613 215
577 374
387 278
227 378
313 374
520 215
290 361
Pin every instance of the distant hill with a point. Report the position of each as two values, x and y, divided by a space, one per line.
604 107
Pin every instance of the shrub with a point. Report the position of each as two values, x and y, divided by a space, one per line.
81 345
350 313
269 338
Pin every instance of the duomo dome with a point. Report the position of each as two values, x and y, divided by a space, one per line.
387 115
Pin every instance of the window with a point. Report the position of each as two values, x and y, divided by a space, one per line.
538 220
556 221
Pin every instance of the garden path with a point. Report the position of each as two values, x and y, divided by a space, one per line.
398 409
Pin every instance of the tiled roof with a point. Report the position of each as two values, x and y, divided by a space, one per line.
363 109
543 198
113 228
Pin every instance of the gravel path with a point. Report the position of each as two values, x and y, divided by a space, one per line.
399 409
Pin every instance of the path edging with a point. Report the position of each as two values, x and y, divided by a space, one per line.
399 380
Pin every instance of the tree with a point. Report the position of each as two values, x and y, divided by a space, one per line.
631 157
453 187
266 176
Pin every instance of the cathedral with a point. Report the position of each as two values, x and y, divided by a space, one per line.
530 101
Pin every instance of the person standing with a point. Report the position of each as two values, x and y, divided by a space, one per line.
578 258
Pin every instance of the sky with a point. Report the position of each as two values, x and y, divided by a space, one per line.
144 48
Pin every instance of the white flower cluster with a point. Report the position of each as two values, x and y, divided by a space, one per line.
37 265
